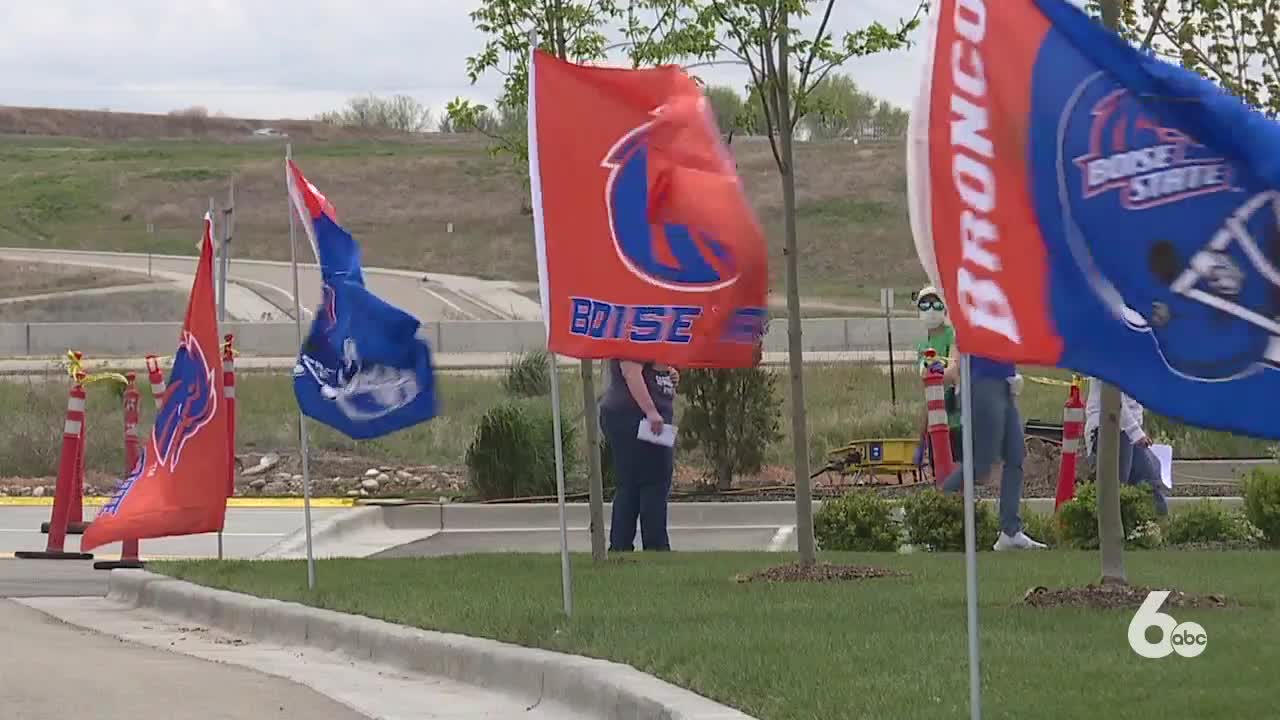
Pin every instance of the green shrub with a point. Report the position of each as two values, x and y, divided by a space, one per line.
529 375
1078 518
856 522
1262 503
513 453
1209 522
1041 526
732 417
935 521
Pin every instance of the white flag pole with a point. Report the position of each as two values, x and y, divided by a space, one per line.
970 536
535 188
222 298
302 419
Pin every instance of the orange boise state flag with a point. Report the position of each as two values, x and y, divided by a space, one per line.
647 246
178 486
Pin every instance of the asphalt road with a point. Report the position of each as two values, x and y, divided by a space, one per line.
442 297
248 532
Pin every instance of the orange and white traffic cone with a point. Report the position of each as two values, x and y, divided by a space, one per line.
156 377
939 432
1072 433
129 548
67 467
75 516
229 393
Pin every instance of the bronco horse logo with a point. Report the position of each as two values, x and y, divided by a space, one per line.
675 257
189 402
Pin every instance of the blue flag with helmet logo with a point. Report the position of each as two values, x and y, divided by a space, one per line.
363 369
1085 205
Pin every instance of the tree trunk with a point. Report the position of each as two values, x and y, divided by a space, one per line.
1110 525
799 430
599 551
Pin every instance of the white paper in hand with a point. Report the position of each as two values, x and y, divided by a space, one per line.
667 437
1164 453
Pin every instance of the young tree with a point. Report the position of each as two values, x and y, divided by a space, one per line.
571 30
760 34
728 107
838 108
1232 42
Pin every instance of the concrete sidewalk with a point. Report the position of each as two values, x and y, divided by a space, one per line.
469 678
52 671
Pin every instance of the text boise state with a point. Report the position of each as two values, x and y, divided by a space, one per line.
656 323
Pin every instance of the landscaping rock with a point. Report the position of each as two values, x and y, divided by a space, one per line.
38 491
257 484
277 488
265 463
372 472
821 572
1115 597
370 485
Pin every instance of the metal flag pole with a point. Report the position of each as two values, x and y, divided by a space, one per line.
970 537
535 189
222 299
566 578
224 261
302 419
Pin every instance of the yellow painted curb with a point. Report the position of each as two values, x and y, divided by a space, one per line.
239 502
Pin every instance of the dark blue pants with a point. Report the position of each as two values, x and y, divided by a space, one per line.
1138 466
643 474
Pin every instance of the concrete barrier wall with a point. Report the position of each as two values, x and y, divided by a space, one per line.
278 339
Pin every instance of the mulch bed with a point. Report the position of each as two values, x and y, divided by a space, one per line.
1116 597
821 572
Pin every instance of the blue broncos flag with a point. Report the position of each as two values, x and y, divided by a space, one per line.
1088 206
362 370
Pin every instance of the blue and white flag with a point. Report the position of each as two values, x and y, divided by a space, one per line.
1087 206
363 369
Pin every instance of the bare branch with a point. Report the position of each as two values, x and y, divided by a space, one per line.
813 53
1156 19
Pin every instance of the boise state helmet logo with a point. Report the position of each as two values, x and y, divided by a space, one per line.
1206 290
1145 163
675 257
189 404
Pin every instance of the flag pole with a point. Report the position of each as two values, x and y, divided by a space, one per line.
970 536
535 188
222 298
566 578
302 419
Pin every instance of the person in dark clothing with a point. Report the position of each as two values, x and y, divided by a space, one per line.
636 393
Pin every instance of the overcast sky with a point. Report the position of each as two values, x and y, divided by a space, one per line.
295 58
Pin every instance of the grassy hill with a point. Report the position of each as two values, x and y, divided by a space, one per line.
111 181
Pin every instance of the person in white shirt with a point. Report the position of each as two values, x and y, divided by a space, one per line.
1138 465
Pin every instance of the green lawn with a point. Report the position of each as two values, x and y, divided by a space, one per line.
844 402
883 648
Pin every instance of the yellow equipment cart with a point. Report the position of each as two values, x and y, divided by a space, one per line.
868 462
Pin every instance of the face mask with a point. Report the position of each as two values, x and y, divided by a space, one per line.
933 318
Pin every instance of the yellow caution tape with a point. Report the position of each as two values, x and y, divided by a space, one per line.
75 368
1054 382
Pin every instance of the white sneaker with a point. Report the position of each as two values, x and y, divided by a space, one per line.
1021 541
